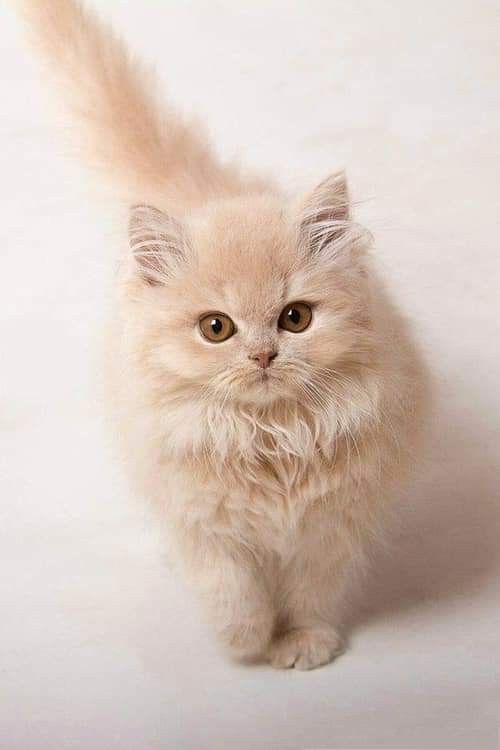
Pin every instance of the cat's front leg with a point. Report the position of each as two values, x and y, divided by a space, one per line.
310 592
233 586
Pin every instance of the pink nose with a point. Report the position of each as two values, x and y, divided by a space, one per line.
263 359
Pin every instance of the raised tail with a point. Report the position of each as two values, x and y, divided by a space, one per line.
141 149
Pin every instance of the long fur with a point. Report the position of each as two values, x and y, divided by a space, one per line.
141 147
273 485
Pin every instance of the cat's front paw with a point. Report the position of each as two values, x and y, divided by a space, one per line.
249 638
305 648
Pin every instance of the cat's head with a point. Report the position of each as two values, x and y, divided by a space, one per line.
251 299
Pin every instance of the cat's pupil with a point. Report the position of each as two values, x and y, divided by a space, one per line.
216 326
294 315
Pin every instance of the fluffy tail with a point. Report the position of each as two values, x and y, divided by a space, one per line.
148 152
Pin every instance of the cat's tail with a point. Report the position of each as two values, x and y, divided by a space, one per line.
145 150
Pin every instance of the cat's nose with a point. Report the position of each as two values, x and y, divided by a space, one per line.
263 359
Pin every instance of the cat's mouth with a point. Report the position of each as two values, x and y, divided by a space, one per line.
260 385
263 384
260 382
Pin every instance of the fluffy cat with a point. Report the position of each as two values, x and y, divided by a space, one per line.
270 395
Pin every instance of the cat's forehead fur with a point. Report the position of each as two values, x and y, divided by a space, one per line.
246 251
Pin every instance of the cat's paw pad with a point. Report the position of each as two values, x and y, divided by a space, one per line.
305 648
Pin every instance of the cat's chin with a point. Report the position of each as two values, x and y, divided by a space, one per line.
259 396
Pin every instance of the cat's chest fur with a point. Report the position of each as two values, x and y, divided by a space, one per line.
251 470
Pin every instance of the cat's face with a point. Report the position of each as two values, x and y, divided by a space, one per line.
247 308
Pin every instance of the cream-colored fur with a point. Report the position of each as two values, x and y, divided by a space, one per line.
273 483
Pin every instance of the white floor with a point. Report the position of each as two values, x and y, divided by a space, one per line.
100 647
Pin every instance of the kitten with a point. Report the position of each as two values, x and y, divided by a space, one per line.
270 395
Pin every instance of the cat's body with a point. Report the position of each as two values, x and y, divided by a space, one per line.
273 439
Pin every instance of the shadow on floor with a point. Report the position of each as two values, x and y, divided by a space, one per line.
448 543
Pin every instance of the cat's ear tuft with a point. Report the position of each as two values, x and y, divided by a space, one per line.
326 226
157 242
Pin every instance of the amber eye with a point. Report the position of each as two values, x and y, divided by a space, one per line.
295 317
216 327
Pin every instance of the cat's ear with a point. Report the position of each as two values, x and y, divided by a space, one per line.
158 243
325 224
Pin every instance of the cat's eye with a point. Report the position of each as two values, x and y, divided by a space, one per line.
216 327
295 317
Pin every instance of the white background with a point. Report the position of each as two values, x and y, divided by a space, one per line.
100 646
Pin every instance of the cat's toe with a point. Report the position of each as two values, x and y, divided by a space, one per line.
305 648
